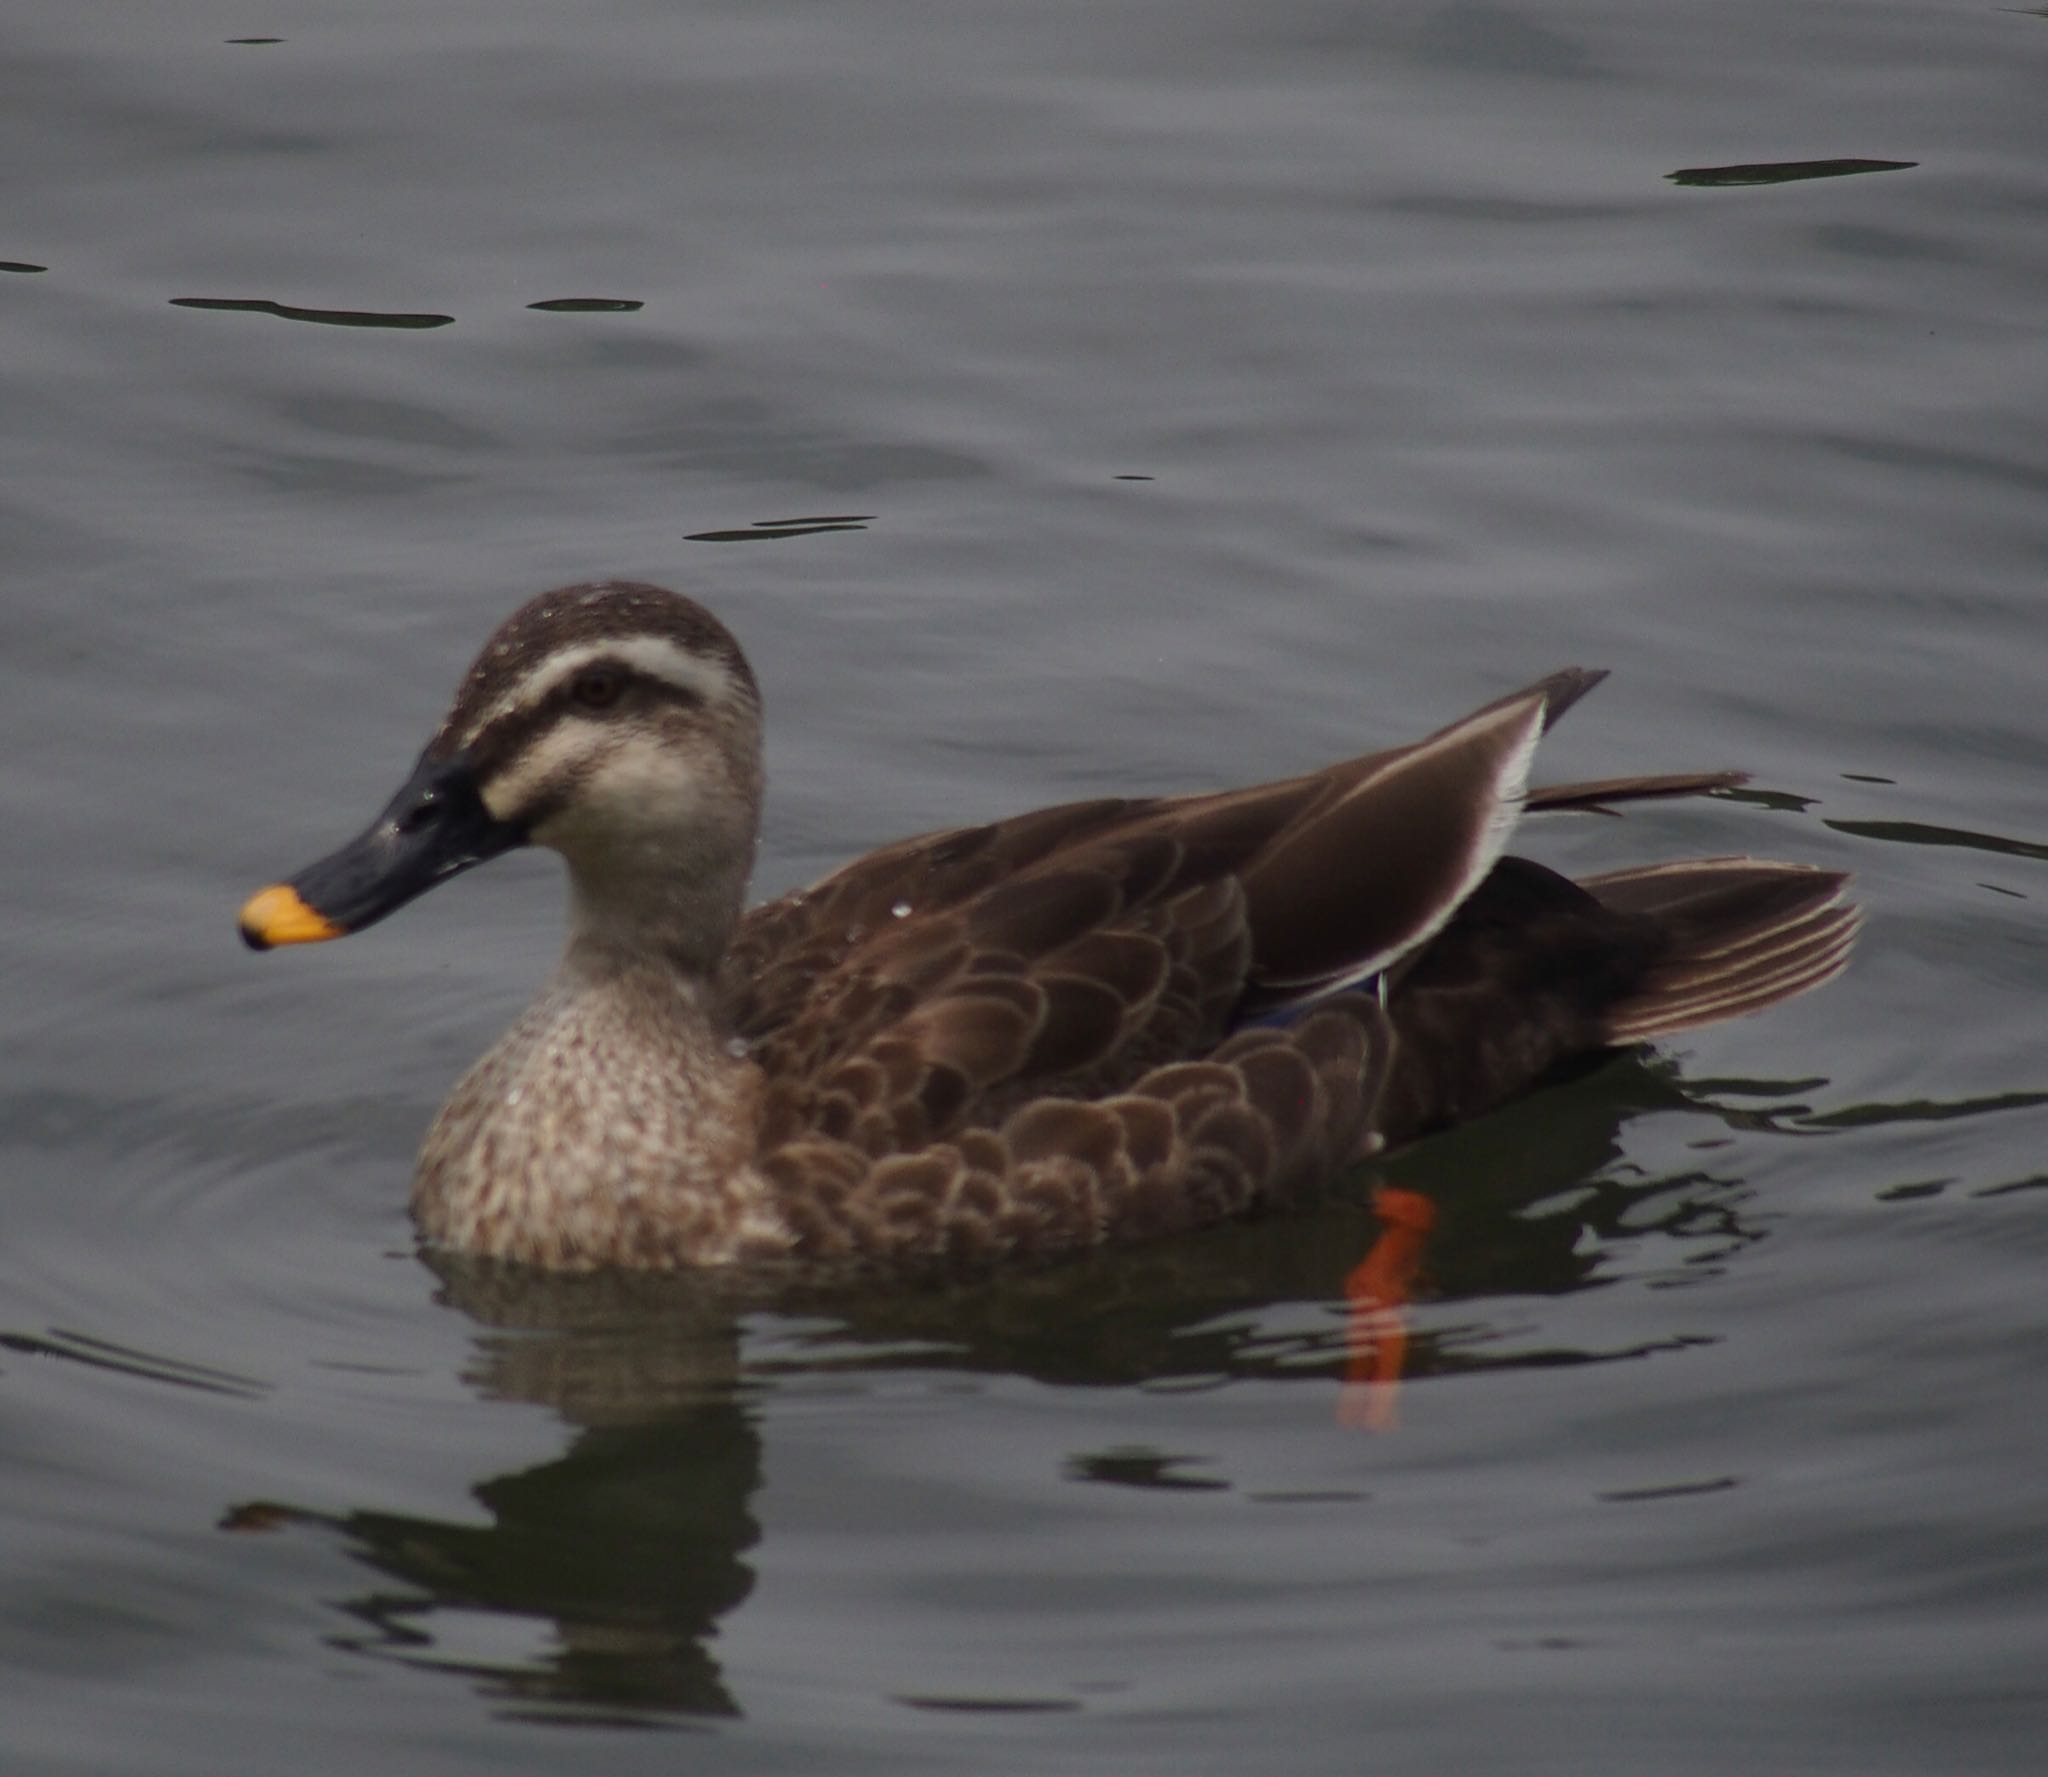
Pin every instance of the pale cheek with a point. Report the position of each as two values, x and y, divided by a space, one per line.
637 795
553 759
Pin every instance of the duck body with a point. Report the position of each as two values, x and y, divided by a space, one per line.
1105 1021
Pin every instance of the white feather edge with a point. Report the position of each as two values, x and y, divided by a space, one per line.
1510 787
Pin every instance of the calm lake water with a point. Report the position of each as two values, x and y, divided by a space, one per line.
1194 392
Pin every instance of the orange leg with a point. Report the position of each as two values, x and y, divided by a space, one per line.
1378 1289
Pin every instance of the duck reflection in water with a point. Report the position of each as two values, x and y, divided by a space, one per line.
626 1549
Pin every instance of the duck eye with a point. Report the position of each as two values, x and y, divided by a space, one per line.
597 687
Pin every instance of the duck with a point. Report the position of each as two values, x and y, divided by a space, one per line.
1111 1020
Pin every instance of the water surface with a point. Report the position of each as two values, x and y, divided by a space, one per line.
1130 396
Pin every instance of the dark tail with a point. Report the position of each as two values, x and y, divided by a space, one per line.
1744 934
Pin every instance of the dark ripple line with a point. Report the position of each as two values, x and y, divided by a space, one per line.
1676 1490
1921 833
769 529
1782 172
102 1354
2038 1182
285 311
991 1705
1922 1110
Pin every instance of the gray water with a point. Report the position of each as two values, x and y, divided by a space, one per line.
1198 392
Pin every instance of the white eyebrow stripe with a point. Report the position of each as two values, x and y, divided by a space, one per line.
656 656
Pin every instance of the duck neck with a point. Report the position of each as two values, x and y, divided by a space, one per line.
672 911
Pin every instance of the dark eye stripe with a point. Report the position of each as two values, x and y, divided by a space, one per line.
505 736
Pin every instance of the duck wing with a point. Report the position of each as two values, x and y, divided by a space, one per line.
1261 898
1021 1035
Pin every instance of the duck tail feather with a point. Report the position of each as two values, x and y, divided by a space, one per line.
1742 934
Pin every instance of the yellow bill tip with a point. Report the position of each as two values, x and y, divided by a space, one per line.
277 915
